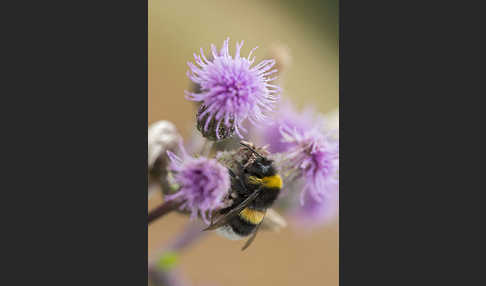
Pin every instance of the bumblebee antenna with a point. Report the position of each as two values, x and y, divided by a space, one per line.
251 149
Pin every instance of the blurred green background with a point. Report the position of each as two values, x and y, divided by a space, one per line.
309 31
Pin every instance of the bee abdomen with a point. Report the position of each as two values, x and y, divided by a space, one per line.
228 232
236 229
252 216
243 224
241 227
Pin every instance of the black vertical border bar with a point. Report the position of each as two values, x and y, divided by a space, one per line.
80 134
124 231
386 190
109 200
116 217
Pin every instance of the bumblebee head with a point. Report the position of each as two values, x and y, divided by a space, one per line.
262 167
267 168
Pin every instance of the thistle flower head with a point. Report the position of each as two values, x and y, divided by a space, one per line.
231 90
203 183
313 157
286 117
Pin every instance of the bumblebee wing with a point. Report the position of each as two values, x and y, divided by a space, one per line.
234 212
273 221
252 238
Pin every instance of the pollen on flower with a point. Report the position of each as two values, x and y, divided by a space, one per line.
231 90
204 183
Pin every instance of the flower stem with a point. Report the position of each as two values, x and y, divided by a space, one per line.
192 233
159 277
165 208
207 147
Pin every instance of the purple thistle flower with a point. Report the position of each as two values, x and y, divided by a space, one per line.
204 183
313 156
287 118
231 90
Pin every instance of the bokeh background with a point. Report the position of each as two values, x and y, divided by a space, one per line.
309 31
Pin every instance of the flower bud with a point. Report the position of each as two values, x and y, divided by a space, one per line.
213 129
162 136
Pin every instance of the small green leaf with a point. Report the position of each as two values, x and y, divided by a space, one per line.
168 260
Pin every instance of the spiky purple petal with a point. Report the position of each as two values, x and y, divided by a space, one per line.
315 213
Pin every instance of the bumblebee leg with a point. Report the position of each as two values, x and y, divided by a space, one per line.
238 179
232 174
252 238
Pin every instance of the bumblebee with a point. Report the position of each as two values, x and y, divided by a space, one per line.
256 186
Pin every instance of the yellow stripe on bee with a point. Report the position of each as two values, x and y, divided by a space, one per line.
252 216
274 181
